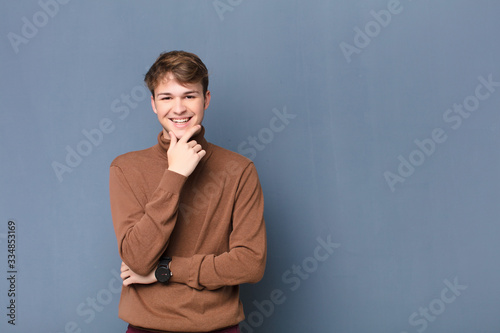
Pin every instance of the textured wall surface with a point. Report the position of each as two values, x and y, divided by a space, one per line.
374 125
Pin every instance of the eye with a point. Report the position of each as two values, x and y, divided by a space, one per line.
166 98
190 96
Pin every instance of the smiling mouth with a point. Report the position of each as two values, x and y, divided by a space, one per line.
180 120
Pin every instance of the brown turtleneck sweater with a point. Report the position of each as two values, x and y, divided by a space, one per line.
211 224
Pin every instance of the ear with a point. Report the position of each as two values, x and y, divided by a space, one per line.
153 104
207 99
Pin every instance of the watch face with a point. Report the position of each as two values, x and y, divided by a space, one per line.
162 274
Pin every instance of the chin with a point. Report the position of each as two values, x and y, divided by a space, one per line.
179 133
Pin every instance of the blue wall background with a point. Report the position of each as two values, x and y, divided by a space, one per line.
374 124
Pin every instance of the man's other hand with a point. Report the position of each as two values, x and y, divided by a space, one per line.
129 277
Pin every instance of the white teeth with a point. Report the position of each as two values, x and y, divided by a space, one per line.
180 121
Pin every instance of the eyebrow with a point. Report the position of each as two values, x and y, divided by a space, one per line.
185 93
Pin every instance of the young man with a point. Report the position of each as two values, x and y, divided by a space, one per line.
188 215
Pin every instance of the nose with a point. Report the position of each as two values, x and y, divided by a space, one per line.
179 106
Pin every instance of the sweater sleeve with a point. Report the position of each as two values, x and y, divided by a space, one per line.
246 259
143 228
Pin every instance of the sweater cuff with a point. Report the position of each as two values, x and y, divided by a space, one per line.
172 182
180 269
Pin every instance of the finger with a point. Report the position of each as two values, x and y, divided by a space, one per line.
189 133
202 153
125 275
173 138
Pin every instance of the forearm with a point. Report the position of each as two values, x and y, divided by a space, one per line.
143 226
240 265
245 257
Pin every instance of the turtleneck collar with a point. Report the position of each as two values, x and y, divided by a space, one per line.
164 143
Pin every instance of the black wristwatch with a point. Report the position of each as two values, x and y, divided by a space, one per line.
163 272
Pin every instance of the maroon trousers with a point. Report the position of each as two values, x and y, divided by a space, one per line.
232 329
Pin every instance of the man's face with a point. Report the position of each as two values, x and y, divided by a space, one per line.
179 106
